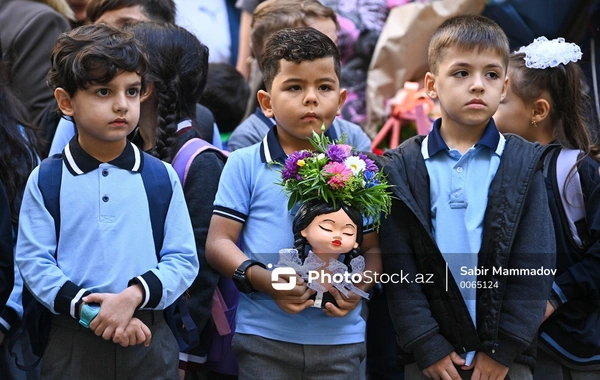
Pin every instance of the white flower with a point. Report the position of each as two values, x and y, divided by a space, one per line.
355 164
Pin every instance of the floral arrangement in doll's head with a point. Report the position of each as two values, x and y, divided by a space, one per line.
336 173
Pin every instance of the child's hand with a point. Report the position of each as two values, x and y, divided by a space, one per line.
294 300
445 368
549 310
487 368
345 304
115 313
136 332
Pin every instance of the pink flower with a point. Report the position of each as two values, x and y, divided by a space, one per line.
346 148
339 174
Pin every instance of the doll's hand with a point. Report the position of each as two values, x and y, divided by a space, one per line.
345 304
488 368
296 299
136 332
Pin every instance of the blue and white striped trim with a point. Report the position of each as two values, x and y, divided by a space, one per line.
566 354
230 214
559 293
71 160
74 302
144 285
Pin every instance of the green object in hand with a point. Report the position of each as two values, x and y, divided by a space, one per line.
88 313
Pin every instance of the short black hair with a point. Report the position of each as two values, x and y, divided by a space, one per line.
296 45
225 94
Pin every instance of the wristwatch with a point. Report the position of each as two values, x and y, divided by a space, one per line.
89 311
239 276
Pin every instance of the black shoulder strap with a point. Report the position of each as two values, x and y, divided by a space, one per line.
157 184
36 318
49 181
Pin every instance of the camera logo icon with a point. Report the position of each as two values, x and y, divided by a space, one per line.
283 286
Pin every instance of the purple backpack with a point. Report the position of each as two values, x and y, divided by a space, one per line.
225 298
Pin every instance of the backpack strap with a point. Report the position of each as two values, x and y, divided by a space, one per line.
49 181
571 195
157 184
185 156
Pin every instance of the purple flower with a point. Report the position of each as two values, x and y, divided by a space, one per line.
336 153
370 165
291 165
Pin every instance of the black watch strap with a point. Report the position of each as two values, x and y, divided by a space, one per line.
239 276
247 264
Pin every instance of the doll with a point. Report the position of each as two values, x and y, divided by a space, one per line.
336 189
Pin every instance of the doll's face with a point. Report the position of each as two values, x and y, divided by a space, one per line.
331 234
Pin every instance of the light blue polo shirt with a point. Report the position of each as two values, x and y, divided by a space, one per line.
105 238
248 194
459 185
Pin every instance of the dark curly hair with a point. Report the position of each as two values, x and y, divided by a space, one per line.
296 45
94 54
308 211
178 70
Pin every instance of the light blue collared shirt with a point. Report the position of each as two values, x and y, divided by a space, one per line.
459 185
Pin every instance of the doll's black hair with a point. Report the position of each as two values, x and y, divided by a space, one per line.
308 211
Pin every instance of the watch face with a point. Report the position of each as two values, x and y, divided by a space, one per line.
241 282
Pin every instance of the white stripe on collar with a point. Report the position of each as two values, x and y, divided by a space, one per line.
71 160
184 124
501 144
138 161
266 149
424 150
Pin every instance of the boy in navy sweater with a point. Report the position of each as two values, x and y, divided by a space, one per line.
471 218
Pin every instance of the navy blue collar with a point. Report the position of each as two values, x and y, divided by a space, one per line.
270 148
435 143
78 161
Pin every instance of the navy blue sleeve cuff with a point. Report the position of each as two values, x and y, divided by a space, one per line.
230 214
557 298
68 299
151 287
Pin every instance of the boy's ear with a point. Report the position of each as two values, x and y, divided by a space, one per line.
264 99
504 89
541 110
342 100
430 85
63 99
149 91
